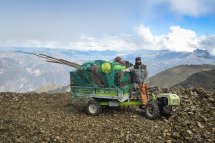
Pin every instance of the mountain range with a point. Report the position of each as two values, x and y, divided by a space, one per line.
21 72
202 79
186 76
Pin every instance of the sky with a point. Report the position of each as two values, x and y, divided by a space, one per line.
177 25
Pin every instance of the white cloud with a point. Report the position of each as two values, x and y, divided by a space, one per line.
30 43
177 39
120 42
208 43
192 7
145 33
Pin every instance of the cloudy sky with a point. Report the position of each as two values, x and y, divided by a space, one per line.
179 25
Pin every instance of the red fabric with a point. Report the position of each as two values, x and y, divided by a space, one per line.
94 68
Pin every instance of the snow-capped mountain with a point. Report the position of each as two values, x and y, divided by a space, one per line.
23 72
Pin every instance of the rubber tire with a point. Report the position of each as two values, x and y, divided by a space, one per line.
155 108
166 113
97 105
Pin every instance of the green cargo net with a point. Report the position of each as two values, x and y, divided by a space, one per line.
100 73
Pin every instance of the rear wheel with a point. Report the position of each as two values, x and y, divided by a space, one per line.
152 110
93 108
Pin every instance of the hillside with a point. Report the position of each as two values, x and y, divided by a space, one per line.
21 73
53 89
178 74
204 79
30 117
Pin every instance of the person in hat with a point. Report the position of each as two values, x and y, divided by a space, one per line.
140 73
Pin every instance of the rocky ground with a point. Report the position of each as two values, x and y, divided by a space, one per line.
44 117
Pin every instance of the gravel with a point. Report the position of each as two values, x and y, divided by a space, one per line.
31 117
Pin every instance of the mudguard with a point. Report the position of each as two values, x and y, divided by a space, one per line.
173 99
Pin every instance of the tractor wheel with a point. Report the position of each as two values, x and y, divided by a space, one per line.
93 108
166 111
152 110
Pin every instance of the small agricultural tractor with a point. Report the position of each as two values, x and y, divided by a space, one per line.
99 82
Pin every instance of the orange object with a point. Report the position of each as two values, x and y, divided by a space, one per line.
143 91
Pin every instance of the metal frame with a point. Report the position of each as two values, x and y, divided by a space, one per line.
122 99
120 96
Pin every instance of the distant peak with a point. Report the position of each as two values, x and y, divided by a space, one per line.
201 53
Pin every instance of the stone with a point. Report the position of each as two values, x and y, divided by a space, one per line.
213 129
189 132
205 136
175 135
155 126
193 121
42 131
200 125
57 138
190 113
211 99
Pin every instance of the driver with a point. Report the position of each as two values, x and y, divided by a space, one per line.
140 73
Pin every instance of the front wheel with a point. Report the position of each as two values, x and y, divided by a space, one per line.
166 111
93 108
152 110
